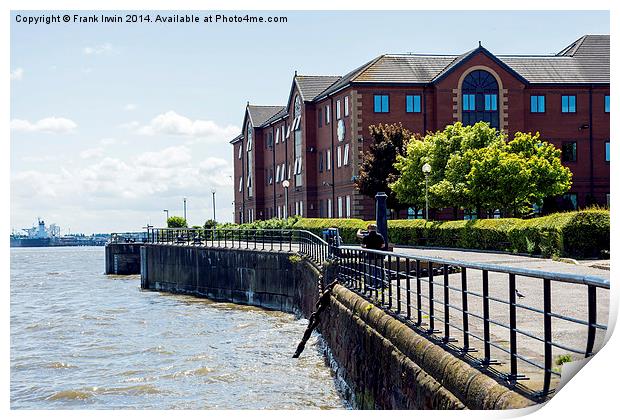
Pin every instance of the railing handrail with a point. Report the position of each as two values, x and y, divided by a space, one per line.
589 280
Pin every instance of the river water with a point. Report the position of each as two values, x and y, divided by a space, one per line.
84 340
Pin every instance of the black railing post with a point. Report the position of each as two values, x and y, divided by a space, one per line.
408 285
513 325
431 299
465 309
398 285
418 290
446 304
485 316
591 320
548 337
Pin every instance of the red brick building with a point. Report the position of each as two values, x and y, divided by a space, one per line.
316 140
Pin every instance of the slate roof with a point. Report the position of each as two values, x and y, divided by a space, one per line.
236 139
311 86
584 61
259 113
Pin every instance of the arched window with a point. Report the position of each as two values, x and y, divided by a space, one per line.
480 98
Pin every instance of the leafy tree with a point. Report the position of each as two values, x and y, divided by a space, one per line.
474 168
210 224
177 222
377 168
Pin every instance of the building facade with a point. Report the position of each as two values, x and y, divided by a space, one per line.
316 141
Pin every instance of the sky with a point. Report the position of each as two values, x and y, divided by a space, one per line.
112 123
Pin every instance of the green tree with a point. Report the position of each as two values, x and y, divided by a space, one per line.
474 168
177 222
377 168
210 224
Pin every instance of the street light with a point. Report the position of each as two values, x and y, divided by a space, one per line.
213 193
426 170
286 184
185 208
167 216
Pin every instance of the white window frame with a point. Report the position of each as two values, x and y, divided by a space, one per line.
240 184
283 172
327 115
296 208
329 208
346 106
289 171
339 157
249 143
240 151
340 207
288 132
348 207
279 212
329 159
277 135
346 154
301 208
338 109
296 123
277 174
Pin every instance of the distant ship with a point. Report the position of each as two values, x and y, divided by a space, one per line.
40 236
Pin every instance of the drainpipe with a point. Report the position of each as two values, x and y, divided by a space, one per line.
242 182
591 146
424 107
273 149
285 140
331 129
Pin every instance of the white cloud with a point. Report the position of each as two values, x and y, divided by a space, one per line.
131 125
17 74
130 107
46 125
107 141
95 152
105 48
167 158
171 123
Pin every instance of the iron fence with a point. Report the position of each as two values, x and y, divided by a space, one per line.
519 331
288 240
128 237
519 318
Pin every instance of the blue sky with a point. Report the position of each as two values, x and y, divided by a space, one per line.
113 123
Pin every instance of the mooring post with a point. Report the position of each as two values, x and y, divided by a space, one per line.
381 216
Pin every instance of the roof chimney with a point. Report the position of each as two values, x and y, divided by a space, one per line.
479 44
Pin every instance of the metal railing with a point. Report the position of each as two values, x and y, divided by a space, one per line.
519 318
288 240
459 304
127 237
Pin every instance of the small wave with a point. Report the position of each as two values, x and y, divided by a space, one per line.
60 365
201 371
159 350
70 395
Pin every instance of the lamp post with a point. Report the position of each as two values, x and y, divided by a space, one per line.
167 216
185 208
213 193
426 170
286 184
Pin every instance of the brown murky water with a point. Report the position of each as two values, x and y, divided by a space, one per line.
80 339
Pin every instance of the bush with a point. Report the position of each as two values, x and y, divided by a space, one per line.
177 222
578 234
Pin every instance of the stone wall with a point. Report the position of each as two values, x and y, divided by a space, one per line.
386 364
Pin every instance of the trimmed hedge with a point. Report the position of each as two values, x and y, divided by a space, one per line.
578 234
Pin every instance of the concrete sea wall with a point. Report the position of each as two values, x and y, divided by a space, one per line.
386 364
122 258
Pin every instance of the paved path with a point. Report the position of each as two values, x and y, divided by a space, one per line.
511 260
568 300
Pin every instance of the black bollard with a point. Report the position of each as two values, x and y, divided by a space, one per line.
381 216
